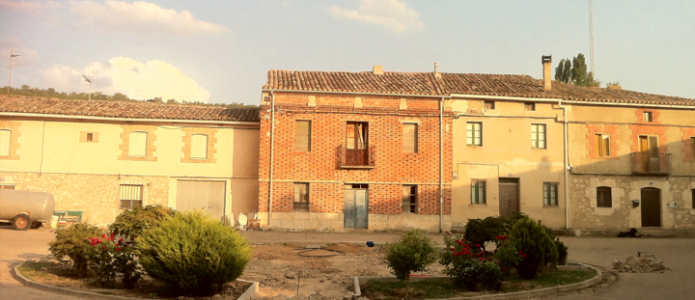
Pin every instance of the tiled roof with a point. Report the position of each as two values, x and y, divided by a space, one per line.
359 82
426 83
125 109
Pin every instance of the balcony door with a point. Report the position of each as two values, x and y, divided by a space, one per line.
357 144
649 153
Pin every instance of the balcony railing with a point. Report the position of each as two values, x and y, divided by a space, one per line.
643 164
357 158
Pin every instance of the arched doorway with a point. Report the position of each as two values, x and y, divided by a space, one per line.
651 207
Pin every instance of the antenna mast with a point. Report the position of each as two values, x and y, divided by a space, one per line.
591 36
9 76
90 86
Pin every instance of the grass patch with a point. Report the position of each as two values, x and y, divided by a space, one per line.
374 289
30 268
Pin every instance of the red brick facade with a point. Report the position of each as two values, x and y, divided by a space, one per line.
321 166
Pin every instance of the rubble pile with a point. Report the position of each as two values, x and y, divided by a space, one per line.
635 264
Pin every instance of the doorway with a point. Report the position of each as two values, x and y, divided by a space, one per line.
651 207
357 144
509 196
649 153
208 196
356 209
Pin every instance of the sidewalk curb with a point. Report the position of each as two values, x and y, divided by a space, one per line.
544 292
248 294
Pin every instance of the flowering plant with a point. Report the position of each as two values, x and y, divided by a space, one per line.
113 259
506 254
469 265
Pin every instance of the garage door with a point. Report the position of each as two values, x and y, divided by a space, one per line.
202 195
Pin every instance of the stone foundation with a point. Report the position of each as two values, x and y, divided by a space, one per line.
334 222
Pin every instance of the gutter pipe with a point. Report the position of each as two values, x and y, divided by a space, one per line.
441 165
272 144
566 165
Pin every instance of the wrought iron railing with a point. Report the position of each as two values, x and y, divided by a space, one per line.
643 164
357 157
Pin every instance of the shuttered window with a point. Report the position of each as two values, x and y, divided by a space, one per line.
603 145
137 144
199 146
301 197
5 135
302 135
131 195
529 106
550 193
648 116
478 191
474 134
410 199
538 136
410 138
603 197
489 104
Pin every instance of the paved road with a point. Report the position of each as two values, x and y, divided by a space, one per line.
678 254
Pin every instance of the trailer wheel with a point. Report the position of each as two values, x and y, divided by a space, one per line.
21 222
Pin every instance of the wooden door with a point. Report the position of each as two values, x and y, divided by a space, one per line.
651 207
357 144
208 196
356 209
509 196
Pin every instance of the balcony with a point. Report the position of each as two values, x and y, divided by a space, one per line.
357 158
645 165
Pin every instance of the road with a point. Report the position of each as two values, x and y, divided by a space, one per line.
677 254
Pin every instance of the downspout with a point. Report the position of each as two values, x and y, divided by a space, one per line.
441 165
272 139
566 165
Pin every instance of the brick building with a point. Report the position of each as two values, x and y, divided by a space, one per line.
354 150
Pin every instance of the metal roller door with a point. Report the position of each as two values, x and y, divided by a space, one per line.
208 196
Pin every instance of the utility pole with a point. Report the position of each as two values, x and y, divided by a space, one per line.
591 36
9 76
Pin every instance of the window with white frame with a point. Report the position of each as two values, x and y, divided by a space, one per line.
478 191
137 143
550 193
131 195
199 146
538 136
474 133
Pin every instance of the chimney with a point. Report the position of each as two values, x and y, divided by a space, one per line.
378 70
436 71
547 72
614 87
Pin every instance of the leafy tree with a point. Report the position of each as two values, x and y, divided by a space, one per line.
575 72
579 72
412 253
562 72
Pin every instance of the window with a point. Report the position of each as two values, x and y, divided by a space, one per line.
302 136
489 104
603 197
301 197
692 148
647 116
550 193
137 144
6 186
692 198
199 146
131 195
530 106
603 145
410 138
538 136
5 142
474 134
357 144
478 191
410 199
90 137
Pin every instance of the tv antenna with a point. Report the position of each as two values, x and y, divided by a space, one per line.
90 86
9 75
591 36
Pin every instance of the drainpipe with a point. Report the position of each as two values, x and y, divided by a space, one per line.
566 165
272 139
441 165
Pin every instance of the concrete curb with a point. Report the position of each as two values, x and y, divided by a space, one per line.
544 292
248 294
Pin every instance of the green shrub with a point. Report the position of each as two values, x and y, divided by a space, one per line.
73 242
193 253
480 231
469 265
113 259
535 245
412 253
507 255
561 248
133 222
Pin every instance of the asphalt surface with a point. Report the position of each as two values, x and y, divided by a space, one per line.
677 254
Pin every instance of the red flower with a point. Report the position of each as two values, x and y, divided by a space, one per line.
103 235
504 269
482 259
459 242
477 245
103 247
520 252
524 255
120 241
453 249
446 232
495 250
118 249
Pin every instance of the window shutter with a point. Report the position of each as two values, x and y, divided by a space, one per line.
606 144
653 147
406 198
137 144
302 136
541 136
410 138
199 146
350 136
5 142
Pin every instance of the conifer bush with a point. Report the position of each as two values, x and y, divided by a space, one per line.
73 242
133 222
412 253
536 246
193 253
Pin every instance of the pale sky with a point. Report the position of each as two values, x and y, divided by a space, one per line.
221 51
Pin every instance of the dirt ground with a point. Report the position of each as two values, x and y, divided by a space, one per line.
279 268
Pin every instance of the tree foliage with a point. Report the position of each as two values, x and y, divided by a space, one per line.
563 71
576 72
73 242
412 253
134 222
535 242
